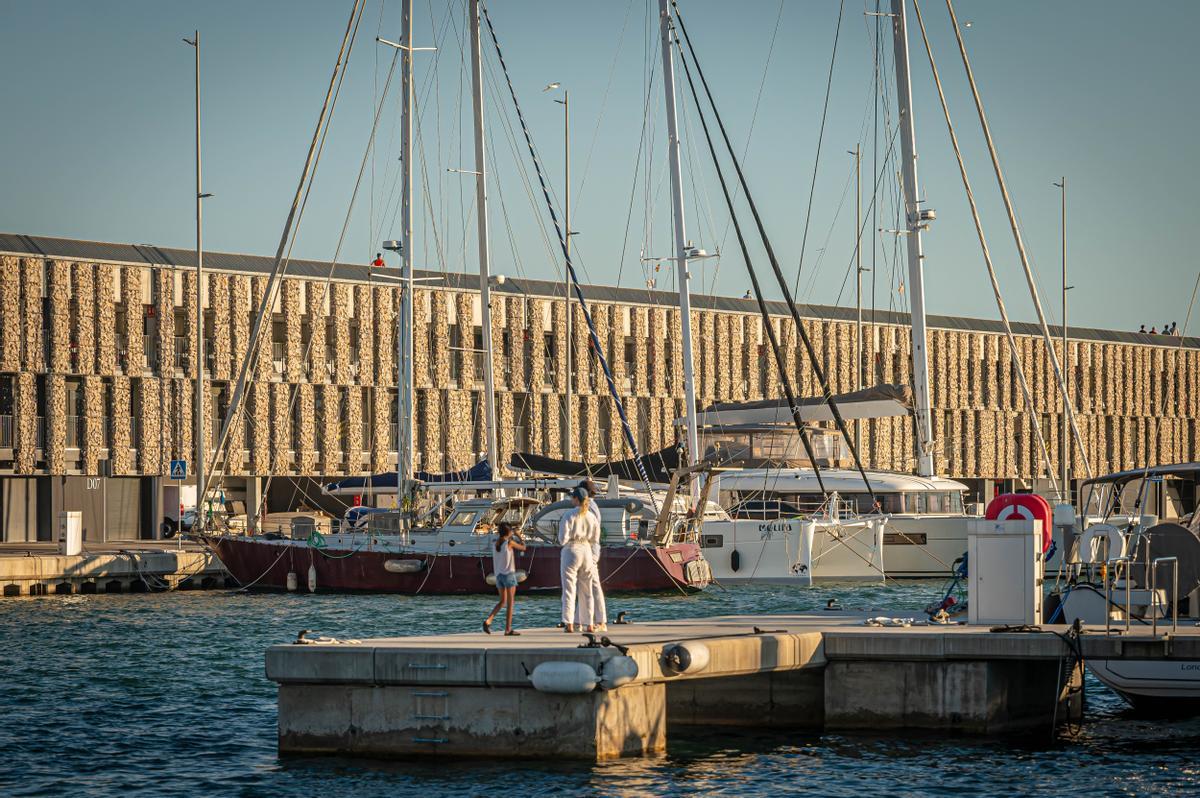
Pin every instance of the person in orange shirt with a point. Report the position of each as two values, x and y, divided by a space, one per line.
378 262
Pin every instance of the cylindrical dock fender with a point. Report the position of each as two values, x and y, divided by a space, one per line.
312 579
681 658
617 671
491 578
403 566
292 581
564 677
735 560
803 567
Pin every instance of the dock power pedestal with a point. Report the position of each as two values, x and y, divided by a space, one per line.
1004 582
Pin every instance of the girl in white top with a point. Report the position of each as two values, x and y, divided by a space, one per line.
575 534
504 567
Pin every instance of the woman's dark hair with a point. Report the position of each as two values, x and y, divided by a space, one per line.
505 529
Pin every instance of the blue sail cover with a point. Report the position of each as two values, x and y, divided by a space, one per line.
387 481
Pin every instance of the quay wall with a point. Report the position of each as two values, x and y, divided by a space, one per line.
97 348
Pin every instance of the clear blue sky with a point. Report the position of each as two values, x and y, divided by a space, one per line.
97 143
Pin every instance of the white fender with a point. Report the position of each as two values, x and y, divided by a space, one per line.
689 657
292 581
804 565
564 677
312 579
491 578
617 671
403 566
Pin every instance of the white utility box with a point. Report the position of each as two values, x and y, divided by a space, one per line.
1004 572
70 532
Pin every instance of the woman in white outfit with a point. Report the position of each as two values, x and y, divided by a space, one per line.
575 533
599 617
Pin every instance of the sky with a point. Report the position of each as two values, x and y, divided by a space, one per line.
97 140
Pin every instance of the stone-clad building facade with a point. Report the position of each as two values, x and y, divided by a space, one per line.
97 350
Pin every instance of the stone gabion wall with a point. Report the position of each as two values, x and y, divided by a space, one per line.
60 319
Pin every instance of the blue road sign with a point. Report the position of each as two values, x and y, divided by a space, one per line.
179 469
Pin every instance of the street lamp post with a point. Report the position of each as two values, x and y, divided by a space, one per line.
565 102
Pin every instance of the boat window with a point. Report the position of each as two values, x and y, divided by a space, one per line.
956 502
463 518
935 501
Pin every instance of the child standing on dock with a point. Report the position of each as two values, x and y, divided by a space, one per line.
504 566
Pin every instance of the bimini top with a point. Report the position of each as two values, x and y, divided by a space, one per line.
1171 469
880 401
843 480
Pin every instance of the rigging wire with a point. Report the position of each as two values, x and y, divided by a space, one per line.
820 140
596 344
307 175
780 362
814 361
1018 240
987 256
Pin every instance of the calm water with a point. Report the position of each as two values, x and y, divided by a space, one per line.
165 694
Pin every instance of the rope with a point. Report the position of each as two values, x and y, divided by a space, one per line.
244 588
596 344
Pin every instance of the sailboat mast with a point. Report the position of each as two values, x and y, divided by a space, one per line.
913 225
198 394
681 260
404 400
485 297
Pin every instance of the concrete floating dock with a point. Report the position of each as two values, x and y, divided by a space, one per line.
133 567
471 694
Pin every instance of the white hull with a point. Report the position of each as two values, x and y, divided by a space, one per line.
783 552
1142 682
923 546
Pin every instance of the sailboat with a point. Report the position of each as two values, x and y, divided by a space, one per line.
403 552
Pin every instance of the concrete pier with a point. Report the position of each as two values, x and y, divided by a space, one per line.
471 694
133 567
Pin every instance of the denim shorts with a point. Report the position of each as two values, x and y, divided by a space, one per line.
506 580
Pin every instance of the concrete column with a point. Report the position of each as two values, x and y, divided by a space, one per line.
558 325
25 410
240 322
56 423
439 320
383 441
354 434
341 341
149 440
281 429
260 428
293 351
330 437
33 353
58 290
316 301
93 424
386 299
423 341
364 312
221 332
264 369
120 455
10 313
83 317
306 450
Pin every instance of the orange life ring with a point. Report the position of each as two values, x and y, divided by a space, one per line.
1027 506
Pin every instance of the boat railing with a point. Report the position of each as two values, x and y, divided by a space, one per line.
1154 602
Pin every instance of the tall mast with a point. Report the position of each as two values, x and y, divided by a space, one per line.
858 270
569 442
681 259
1065 442
485 296
198 323
404 403
914 223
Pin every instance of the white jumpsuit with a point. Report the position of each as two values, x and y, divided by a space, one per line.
575 533
599 606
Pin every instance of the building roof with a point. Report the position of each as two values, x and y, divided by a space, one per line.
152 255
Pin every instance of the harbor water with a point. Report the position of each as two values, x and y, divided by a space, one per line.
165 694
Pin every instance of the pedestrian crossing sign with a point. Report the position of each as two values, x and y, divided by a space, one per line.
179 469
